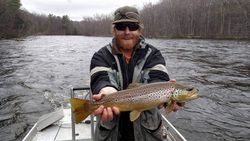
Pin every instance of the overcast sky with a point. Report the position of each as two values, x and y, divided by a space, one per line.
77 9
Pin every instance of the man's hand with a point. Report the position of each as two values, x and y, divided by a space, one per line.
177 106
106 113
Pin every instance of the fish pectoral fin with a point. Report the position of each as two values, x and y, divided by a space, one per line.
134 115
170 107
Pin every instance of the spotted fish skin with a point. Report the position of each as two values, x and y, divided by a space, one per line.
138 98
149 93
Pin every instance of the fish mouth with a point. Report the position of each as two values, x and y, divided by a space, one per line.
194 93
194 96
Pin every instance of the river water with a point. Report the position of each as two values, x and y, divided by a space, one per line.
37 72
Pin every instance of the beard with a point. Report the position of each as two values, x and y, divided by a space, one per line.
127 42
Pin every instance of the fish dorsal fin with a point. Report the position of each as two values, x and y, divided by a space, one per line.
134 115
134 85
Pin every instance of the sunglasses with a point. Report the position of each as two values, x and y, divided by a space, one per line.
123 26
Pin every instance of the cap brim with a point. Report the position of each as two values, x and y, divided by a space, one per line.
125 20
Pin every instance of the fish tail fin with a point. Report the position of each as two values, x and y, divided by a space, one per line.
81 109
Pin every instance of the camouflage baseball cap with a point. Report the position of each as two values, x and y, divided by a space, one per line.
126 14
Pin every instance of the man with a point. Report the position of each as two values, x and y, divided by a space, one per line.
127 59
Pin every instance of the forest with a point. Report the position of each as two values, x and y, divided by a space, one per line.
207 19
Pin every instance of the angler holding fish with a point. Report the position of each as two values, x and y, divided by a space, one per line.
130 81
137 99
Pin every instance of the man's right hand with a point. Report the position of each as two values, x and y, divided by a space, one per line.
106 113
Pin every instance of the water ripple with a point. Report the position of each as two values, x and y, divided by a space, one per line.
36 73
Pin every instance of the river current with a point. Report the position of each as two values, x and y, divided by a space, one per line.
37 72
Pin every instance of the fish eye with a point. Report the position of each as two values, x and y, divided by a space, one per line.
190 89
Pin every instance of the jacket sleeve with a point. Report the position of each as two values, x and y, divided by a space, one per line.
101 71
155 67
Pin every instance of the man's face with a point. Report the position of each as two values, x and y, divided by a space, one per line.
127 35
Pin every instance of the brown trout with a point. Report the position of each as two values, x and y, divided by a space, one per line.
136 99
